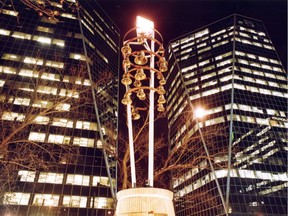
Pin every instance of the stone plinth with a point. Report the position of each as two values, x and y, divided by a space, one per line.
145 201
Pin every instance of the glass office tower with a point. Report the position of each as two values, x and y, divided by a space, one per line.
227 102
58 99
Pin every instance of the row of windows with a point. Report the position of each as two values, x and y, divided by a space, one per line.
58 178
246 41
234 173
40 39
218 120
45 90
62 139
45 120
34 61
36 103
246 87
53 200
45 75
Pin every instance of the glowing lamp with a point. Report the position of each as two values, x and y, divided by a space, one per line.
199 112
144 26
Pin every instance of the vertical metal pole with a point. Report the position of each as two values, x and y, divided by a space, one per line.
151 119
131 146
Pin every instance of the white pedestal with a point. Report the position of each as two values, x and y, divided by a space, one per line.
145 201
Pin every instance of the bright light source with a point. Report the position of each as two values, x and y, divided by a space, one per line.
144 26
199 112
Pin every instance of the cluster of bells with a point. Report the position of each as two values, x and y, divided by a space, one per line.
140 60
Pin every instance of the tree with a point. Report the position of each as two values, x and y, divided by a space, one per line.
37 108
168 160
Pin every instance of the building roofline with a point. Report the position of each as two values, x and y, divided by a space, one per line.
198 29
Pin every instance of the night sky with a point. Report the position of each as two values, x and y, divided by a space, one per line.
174 18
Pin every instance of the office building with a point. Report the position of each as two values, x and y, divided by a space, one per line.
227 100
58 108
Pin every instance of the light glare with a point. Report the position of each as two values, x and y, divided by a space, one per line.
199 112
144 26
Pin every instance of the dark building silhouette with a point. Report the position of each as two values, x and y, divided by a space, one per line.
58 78
227 77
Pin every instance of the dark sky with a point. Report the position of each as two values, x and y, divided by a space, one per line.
174 18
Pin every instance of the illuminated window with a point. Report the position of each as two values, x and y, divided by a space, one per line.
13 116
276 93
100 180
67 15
4 32
214 121
75 201
42 104
69 93
48 177
45 29
81 141
248 119
262 121
47 90
41 39
30 60
9 12
29 73
77 56
16 198
63 107
27 176
86 82
75 179
41 120
22 101
35 136
54 64
62 122
50 76
46 200
58 42
58 139
11 57
86 125
7 70
102 56
239 86
210 92
102 202
21 35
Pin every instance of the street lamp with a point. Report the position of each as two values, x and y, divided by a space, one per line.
143 60
139 53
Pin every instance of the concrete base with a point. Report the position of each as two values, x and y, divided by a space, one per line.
145 201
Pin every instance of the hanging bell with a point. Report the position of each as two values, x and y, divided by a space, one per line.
160 108
162 81
137 83
140 75
163 65
126 100
126 79
161 50
126 50
161 99
126 63
161 90
135 114
141 59
141 94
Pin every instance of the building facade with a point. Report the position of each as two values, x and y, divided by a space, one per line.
227 99
58 108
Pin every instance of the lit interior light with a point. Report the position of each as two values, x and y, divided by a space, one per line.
144 26
199 112
77 56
